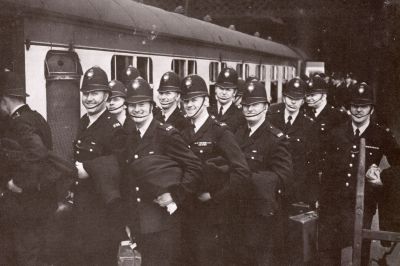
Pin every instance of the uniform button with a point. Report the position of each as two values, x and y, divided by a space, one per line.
76 182
252 157
298 140
370 153
137 188
138 199
127 161
353 156
79 141
322 129
354 146
201 151
271 213
135 156
279 191
351 165
91 150
337 148
347 184
349 175
77 152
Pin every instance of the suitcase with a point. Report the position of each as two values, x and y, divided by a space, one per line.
128 255
302 238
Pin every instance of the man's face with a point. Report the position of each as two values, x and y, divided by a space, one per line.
224 95
140 112
292 105
168 99
360 113
116 105
314 100
254 112
94 101
195 106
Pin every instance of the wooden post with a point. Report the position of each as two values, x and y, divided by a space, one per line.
359 210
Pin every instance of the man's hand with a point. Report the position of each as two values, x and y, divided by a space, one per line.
164 199
204 196
82 174
13 187
373 175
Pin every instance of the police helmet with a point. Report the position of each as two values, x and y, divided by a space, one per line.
11 84
139 91
170 81
193 86
227 78
130 74
316 85
254 92
362 94
295 89
117 88
95 79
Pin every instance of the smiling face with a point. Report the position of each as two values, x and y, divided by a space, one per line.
140 112
168 99
94 101
254 112
360 114
315 100
116 105
195 106
224 95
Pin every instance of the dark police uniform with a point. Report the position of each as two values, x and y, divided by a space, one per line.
158 162
226 176
339 182
303 141
268 157
94 196
233 117
27 213
170 81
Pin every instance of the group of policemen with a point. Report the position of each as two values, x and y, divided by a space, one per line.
186 182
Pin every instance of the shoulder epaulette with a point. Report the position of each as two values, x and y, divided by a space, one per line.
309 117
167 127
115 125
276 132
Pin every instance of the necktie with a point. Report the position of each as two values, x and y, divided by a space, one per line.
138 133
288 123
163 118
357 133
314 112
220 112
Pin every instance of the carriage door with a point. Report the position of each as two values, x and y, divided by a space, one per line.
63 73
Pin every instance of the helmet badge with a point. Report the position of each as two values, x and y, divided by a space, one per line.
112 83
128 72
166 77
361 89
226 74
296 84
188 82
90 73
250 88
135 84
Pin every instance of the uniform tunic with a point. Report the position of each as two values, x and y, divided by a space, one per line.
226 176
155 164
268 157
339 184
303 142
176 119
233 117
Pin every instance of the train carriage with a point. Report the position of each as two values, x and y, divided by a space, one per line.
53 42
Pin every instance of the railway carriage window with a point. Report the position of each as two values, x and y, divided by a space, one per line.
258 72
223 65
247 70
213 71
145 67
239 70
192 67
178 66
263 73
118 65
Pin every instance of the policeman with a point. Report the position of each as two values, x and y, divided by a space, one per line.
207 235
160 171
130 74
169 94
225 90
266 150
239 93
302 134
116 104
22 180
325 115
96 191
337 201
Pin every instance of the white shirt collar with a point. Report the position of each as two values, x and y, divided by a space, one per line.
362 128
292 115
224 107
145 126
16 108
253 128
93 118
199 122
320 108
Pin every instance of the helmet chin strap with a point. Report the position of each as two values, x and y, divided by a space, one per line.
256 113
138 116
97 105
116 108
370 111
319 100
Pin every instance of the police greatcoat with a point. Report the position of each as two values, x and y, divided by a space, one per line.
303 141
339 181
176 119
233 117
